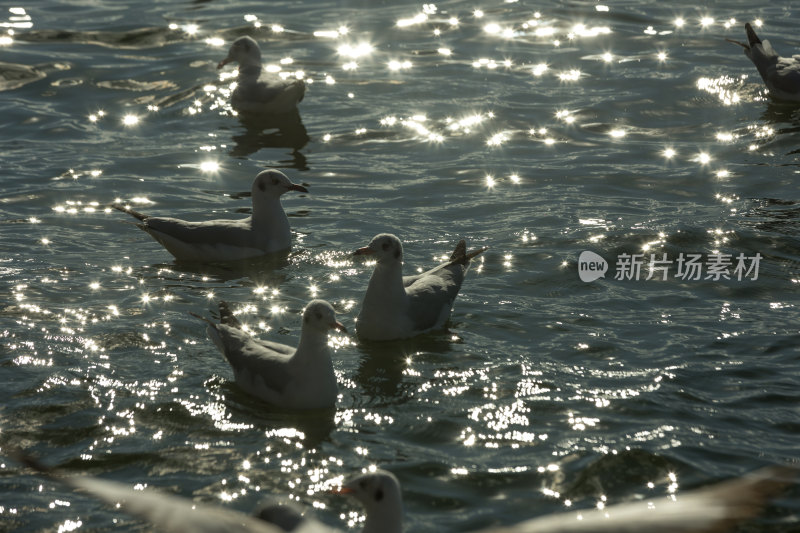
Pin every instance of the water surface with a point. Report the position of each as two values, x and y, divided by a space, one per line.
541 132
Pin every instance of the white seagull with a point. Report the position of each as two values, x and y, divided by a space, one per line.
780 74
292 378
397 306
265 231
255 93
712 509
379 492
169 513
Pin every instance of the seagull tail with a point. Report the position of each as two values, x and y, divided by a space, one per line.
212 331
301 89
226 316
460 254
125 209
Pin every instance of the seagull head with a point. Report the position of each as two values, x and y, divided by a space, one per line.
273 183
386 248
379 493
320 315
244 51
752 40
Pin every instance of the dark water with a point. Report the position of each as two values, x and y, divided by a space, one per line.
544 389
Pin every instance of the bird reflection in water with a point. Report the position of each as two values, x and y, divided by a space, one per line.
267 130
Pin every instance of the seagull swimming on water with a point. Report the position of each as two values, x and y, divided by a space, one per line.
712 509
265 231
781 75
254 92
397 306
292 378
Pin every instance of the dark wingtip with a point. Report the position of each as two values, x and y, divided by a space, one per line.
125 209
476 252
752 38
226 315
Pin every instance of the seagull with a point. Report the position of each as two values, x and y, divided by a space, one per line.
253 92
265 231
169 513
292 378
379 492
397 306
712 509
780 74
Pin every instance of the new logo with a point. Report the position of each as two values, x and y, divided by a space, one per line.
591 266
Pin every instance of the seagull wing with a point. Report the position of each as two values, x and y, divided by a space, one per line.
460 256
254 357
431 295
229 232
170 513
268 96
708 510
290 517
785 75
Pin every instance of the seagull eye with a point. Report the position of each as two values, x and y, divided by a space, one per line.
318 315
363 484
274 181
261 186
378 495
385 246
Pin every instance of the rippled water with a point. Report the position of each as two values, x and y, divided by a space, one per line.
542 132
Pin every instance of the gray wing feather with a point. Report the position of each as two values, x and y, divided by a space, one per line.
712 509
260 91
431 292
268 96
231 232
258 357
786 75
171 513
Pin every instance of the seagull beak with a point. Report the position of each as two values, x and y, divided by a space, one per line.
338 325
739 43
342 490
298 188
364 251
752 38
224 62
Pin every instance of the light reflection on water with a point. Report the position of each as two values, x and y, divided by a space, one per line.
539 133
